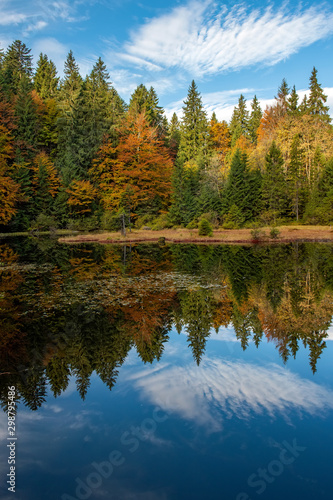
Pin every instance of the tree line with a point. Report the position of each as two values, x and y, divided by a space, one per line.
74 154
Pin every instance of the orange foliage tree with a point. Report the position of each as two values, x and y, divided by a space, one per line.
136 174
9 189
45 180
81 196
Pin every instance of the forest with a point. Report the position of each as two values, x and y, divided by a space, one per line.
74 155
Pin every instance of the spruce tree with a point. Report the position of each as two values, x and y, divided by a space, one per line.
282 98
295 176
254 121
194 127
292 103
144 100
239 124
173 135
45 79
17 63
70 90
274 185
242 190
317 99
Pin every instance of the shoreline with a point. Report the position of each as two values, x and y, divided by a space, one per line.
288 234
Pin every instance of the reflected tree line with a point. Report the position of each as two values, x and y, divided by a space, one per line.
73 310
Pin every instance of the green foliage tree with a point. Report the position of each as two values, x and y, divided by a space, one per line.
254 120
45 78
317 98
274 189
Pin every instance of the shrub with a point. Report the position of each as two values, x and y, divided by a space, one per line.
234 218
274 233
212 217
257 234
44 222
205 229
110 221
161 222
192 225
83 224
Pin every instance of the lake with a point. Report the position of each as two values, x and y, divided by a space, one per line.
166 372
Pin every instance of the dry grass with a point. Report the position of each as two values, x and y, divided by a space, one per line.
181 235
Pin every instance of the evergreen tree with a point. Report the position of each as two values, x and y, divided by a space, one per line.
26 115
317 99
254 120
304 106
292 103
239 124
143 100
194 127
173 135
17 63
295 176
274 185
70 90
242 190
45 79
282 98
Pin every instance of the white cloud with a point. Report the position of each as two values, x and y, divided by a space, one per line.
199 38
222 389
8 18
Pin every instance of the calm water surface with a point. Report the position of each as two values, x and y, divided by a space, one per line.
167 372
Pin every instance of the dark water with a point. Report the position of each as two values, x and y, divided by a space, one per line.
167 372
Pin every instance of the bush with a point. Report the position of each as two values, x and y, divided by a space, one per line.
212 217
110 221
257 234
143 220
44 222
205 229
274 233
192 225
161 222
234 218
83 224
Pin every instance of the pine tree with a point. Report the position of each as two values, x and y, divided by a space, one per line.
242 189
292 103
317 99
17 63
146 101
274 185
194 127
282 98
70 90
27 121
45 79
239 124
304 106
254 121
295 176
173 135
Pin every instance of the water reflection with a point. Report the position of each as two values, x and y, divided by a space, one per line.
75 310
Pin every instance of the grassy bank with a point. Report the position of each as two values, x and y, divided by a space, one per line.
183 235
55 232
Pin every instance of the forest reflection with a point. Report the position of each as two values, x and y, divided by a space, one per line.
74 310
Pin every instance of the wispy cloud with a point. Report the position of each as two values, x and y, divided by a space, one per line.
205 39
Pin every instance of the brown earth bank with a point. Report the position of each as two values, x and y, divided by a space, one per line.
182 235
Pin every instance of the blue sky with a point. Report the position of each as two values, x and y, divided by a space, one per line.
227 47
